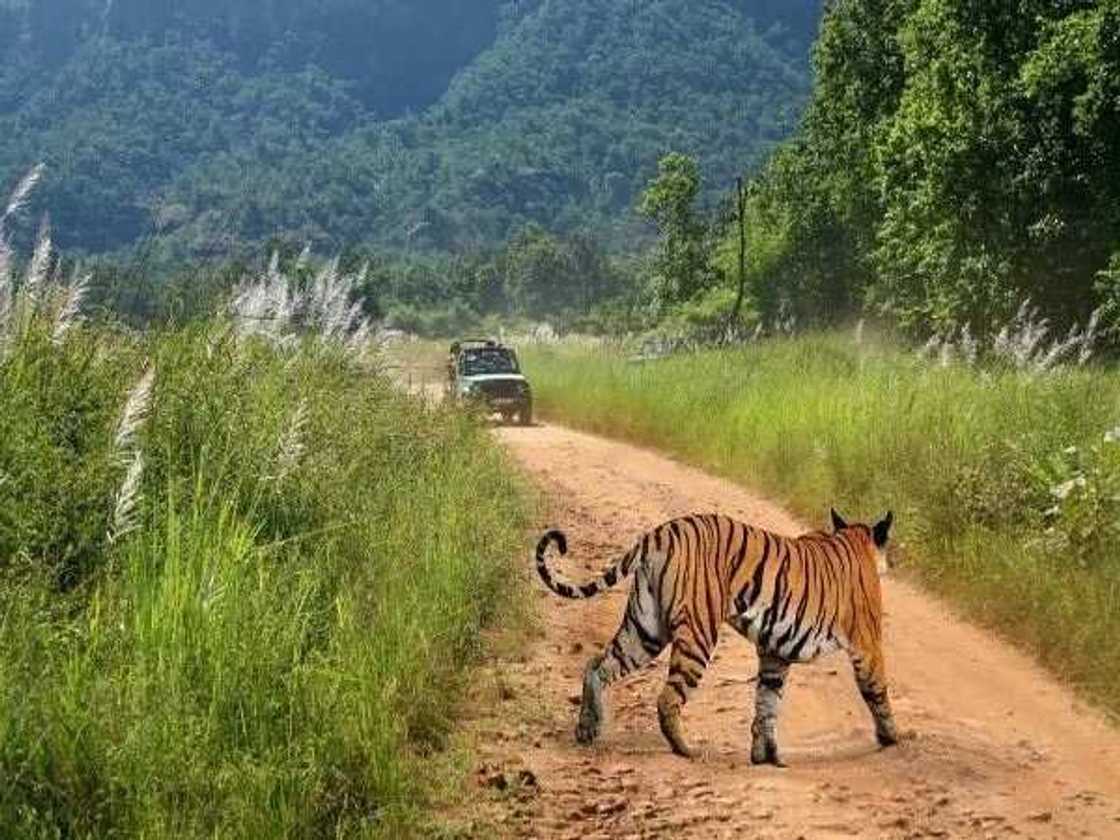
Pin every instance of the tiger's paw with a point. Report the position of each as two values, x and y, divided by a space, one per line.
670 720
587 730
887 736
895 738
680 748
766 752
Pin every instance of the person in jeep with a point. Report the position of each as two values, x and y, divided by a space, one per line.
488 372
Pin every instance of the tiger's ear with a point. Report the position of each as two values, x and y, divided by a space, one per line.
838 523
882 529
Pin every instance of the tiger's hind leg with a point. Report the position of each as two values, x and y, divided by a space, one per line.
635 645
870 675
772 672
686 666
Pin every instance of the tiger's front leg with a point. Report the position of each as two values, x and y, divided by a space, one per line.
772 672
687 663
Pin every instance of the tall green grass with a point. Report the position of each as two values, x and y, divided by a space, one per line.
1008 494
276 648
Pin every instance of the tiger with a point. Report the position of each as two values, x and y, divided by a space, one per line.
795 598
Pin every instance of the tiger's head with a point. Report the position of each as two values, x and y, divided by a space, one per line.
878 534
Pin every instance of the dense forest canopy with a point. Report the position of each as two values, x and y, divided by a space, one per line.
430 124
957 158
372 44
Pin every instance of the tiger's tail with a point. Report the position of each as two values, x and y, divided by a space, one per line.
619 570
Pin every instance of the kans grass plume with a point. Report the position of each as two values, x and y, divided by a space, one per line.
128 452
69 311
135 412
127 505
10 297
22 193
7 292
41 285
280 309
292 443
38 270
1024 343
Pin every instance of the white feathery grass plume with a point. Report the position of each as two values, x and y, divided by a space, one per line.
265 305
16 202
38 270
329 302
128 500
945 358
277 309
7 292
304 258
6 260
22 192
135 412
70 312
969 346
361 341
132 418
1001 345
1023 341
1058 350
285 304
274 266
251 309
292 445
249 306
1089 337
931 348
859 332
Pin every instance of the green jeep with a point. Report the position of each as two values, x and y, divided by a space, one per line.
487 373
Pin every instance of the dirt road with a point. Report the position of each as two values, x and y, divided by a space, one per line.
999 749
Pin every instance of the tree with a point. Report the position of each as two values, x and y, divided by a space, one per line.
538 270
681 267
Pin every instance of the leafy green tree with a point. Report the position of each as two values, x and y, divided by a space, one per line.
681 266
551 277
956 158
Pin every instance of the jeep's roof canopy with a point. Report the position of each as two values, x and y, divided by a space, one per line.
474 343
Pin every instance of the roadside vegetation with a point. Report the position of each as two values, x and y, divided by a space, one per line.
1002 467
241 573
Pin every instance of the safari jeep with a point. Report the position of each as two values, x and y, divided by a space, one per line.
486 372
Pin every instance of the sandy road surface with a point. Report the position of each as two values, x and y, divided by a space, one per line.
999 748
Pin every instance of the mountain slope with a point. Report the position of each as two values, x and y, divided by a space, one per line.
218 139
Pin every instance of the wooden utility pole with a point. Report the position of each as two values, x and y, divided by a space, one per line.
741 194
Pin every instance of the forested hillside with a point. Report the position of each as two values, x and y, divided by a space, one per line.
957 158
431 124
